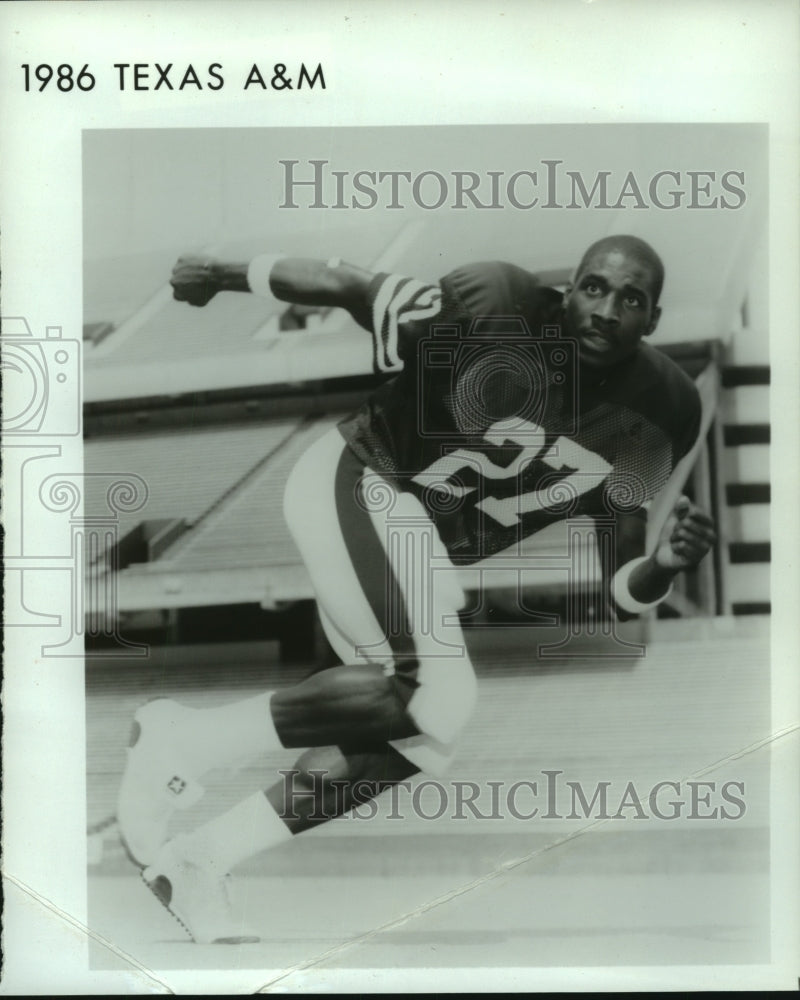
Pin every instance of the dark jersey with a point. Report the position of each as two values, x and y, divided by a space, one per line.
492 424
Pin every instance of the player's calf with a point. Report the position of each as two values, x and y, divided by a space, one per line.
360 706
356 704
328 782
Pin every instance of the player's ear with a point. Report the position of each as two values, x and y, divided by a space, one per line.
654 321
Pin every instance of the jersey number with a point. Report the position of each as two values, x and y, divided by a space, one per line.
582 469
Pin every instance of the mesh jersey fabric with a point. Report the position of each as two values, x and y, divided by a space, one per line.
490 421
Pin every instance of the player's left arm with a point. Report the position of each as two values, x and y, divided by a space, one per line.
686 538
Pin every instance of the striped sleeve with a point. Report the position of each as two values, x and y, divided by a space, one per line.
402 309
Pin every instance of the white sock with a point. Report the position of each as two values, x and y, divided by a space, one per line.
215 737
250 827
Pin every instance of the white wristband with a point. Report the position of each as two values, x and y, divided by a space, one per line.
621 592
258 272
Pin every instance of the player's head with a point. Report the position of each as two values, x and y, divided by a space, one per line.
612 300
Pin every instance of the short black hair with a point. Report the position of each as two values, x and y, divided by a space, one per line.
632 246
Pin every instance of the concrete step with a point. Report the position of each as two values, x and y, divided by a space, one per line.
746 404
747 463
748 582
750 346
749 523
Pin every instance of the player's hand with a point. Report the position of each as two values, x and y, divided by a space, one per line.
686 537
195 279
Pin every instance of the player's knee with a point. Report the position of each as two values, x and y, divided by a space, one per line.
443 704
320 768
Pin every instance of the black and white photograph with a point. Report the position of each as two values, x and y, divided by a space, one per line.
411 483
398 522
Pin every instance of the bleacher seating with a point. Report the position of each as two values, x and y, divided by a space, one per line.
186 471
249 530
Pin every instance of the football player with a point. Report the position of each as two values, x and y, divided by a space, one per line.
507 406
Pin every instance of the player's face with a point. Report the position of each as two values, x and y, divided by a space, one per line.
609 308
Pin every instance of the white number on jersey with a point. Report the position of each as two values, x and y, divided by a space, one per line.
585 471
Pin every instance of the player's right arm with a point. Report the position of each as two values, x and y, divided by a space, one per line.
196 279
396 310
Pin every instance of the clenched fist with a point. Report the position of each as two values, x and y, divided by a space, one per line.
686 537
196 279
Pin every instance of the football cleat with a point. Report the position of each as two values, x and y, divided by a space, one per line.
156 782
195 895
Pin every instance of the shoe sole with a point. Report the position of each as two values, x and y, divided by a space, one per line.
161 887
131 856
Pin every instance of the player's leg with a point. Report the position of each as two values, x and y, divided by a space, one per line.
365 547
357 704
172 746
387 593
323 784
418 699
327 782
189 874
